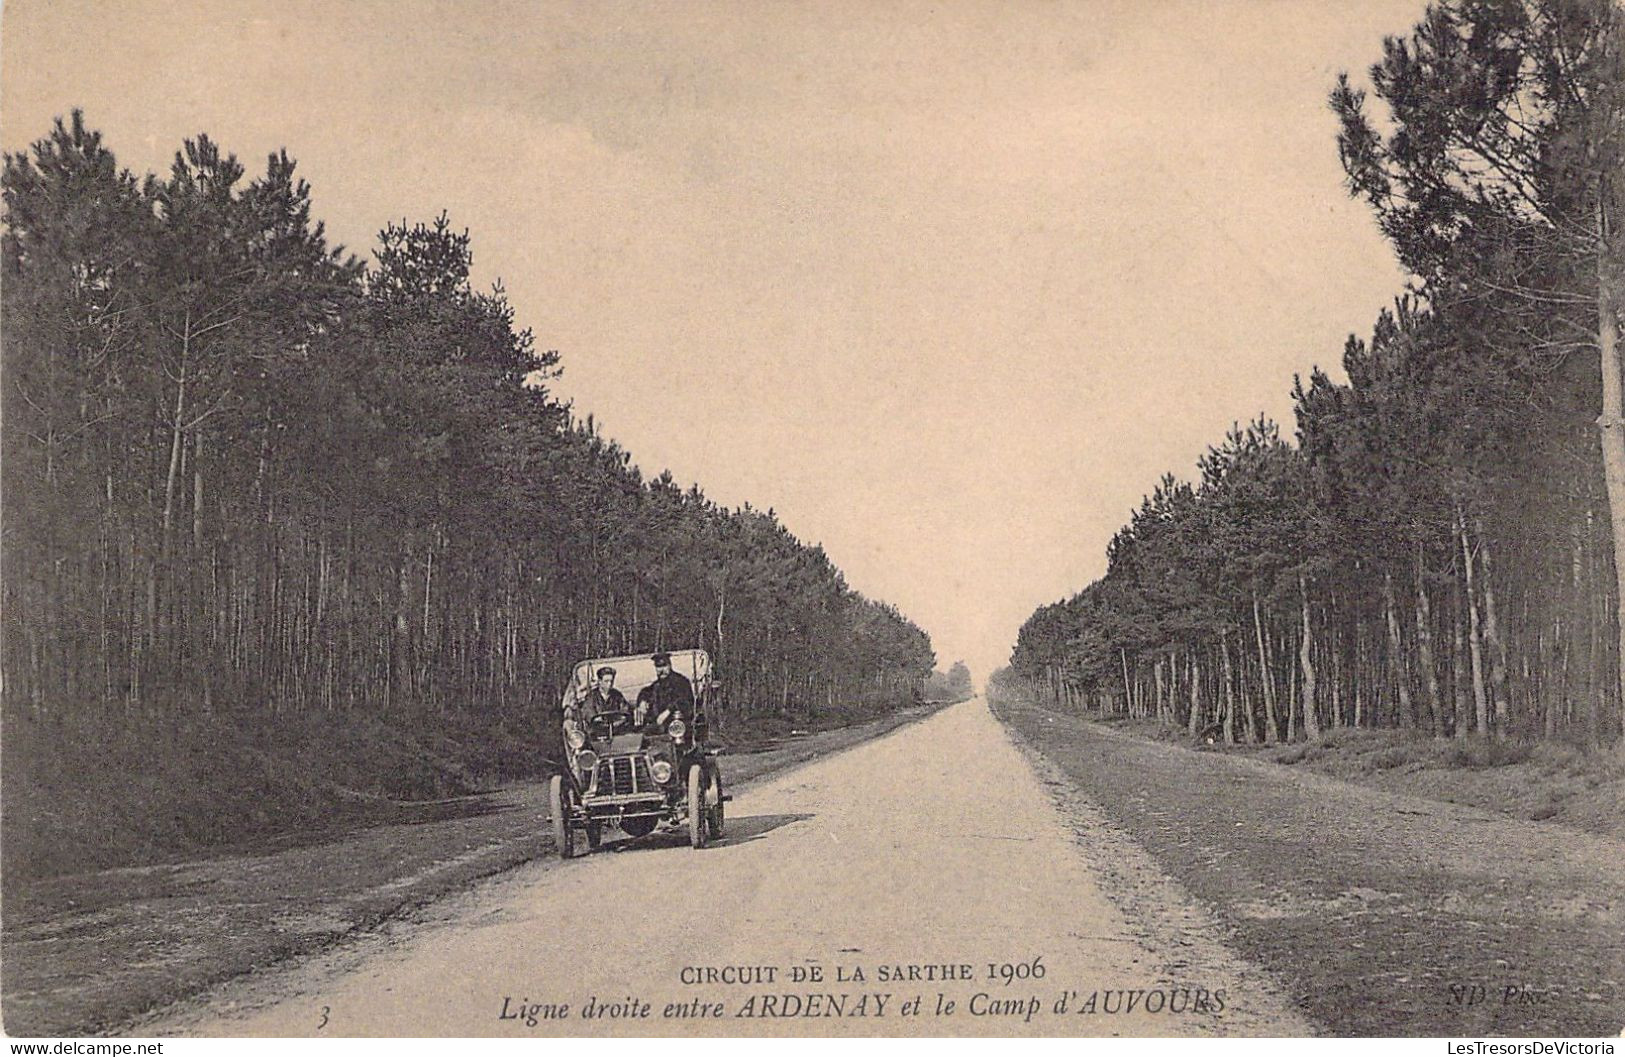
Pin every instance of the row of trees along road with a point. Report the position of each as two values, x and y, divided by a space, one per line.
1441 547
249 476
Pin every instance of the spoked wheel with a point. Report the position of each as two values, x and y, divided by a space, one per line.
716 803
558 802
696 807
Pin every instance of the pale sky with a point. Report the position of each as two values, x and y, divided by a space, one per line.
948 285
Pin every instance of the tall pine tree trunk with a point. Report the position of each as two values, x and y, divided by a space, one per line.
1227 677
1306 660
1494 640
177 433
1481 711
1358 687
1611 423
1195 717
1128 687
1396 652
1424 647
1266 679
1458 672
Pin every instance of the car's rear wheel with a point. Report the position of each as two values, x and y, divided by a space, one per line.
558 802
716 807
696 807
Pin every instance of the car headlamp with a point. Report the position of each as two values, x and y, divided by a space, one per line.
586 760
661 771
575 737
677 729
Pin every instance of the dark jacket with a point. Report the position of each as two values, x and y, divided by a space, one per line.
596 704
671 693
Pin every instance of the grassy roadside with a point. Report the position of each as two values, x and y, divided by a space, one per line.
82 792
1540 782
1386 914
85 953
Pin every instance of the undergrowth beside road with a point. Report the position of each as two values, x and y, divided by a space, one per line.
123 791
84 952
81 794
1538 781
1380 912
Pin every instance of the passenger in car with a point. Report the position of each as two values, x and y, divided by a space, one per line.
671 695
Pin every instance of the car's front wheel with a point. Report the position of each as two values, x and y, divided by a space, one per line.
558 802
716 803
696 807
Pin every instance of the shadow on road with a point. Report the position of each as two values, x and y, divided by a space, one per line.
747 828
741 830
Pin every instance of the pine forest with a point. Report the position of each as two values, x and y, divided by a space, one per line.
285 529
1435 548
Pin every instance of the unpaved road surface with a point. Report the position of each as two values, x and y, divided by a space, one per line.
1386 914
84 953
938 845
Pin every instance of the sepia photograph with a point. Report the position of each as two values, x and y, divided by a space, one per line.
809 519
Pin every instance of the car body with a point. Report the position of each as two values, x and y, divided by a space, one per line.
631 778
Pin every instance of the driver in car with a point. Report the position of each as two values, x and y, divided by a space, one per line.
669 696
603 697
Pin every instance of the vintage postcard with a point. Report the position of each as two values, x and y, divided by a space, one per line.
534 518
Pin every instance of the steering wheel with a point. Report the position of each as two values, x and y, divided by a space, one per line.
608 724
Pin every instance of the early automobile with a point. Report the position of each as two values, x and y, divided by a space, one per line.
623 774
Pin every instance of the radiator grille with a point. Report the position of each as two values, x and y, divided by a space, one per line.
623 775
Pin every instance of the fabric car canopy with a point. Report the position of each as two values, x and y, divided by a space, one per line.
635 671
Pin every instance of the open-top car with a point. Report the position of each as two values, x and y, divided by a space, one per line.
635 772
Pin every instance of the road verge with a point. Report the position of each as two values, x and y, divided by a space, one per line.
1389 915
87 953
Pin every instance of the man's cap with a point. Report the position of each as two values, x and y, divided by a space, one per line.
662 658
605 671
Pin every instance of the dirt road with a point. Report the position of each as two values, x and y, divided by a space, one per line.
909 872
87 953
1388 914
